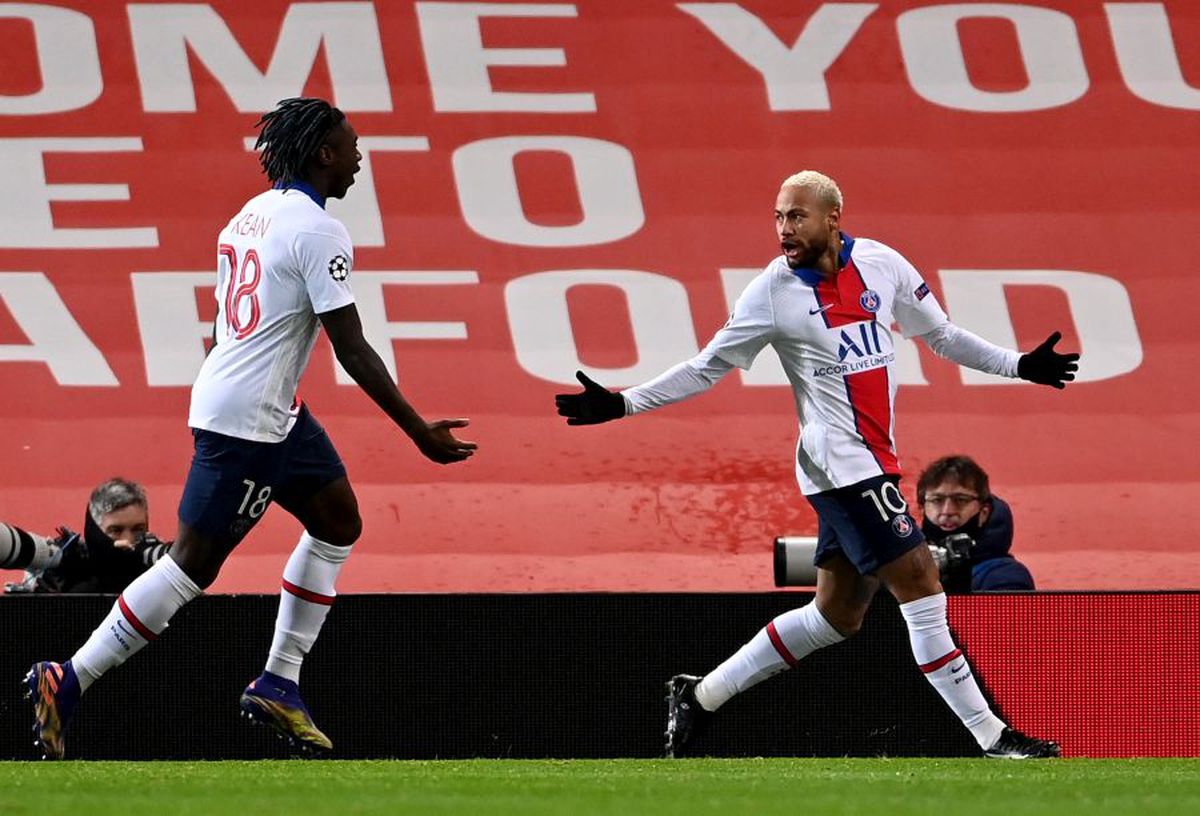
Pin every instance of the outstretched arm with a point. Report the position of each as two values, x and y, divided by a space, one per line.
1043 365
434 439
597 404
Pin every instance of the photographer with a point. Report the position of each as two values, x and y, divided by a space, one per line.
969 530
116 546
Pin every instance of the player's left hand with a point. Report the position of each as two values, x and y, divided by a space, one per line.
1045 366
439 444
595 405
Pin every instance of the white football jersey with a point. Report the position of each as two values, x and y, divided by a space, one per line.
281 261
834 339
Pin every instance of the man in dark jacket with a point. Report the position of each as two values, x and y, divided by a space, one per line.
969 529
116 546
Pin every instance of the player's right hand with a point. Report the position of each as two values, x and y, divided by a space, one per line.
439 445
595 405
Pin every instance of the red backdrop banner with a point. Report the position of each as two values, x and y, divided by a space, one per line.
549 186
1099 672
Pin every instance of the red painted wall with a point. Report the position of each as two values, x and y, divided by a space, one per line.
1100 477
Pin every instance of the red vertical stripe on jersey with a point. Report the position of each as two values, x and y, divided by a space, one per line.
844 290
870 399
868 391
777 642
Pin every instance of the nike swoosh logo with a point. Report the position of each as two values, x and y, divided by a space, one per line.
820 309
961 666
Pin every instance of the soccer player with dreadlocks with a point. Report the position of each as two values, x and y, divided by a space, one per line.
283 272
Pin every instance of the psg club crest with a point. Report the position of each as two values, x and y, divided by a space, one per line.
902 526
869 300
339 267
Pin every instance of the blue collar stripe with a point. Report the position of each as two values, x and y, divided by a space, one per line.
307 189
812 277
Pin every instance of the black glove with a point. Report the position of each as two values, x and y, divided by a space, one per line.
595 405
1045 366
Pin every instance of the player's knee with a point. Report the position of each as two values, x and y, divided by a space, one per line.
340 532
199 556
353 530
846 621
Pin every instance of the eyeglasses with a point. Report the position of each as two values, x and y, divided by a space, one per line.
956 499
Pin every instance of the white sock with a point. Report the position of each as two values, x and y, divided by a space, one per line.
777 647
307 594
947 669
139 616
21 549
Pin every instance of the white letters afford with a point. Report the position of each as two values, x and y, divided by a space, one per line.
458 62
54 337
172 332
659 315
1100 307
604 177
25 218
67 57
380 332
795 77
163 34
1049 48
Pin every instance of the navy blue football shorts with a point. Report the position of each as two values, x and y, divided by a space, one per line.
233 481
867 522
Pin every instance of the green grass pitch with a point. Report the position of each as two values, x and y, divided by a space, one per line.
690 787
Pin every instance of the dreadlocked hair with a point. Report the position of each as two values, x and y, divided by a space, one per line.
291 135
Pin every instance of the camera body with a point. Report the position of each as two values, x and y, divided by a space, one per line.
952 553
794 559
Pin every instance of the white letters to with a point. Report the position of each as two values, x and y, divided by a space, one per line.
604 176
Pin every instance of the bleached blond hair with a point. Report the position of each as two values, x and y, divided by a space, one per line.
824 186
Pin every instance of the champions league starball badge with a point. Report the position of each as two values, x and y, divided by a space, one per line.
339 267
869 300
902 527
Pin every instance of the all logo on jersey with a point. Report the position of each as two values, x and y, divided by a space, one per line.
339 267
863 343
870 301
921 291
860 347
